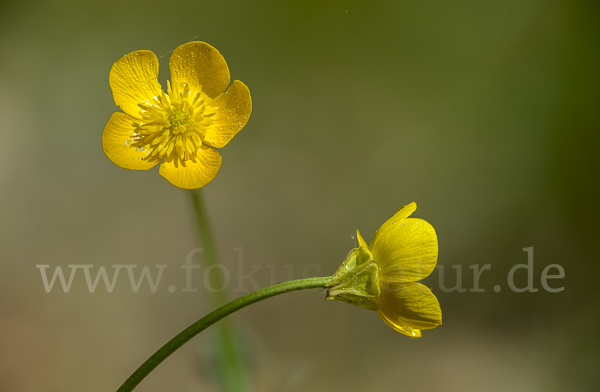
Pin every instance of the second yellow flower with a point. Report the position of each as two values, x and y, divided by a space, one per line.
179 128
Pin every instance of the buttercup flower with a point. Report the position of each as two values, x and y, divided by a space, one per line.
179 128
383 276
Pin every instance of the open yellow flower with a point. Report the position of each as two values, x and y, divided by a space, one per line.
180 127
383 276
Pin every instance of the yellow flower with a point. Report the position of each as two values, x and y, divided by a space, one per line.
383 276
178 128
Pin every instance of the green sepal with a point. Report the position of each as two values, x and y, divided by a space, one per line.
356 281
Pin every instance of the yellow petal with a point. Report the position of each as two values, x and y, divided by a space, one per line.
361 242
413 333
402 213
233 109
117 141
193 175
133 80
406 250
409 308
201 67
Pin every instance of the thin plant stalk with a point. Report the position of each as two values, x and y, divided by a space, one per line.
232 372
208 320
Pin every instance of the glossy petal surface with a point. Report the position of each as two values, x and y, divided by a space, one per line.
133 81
201 67
409 308
194 174
402 213
406 250
232 111
117 143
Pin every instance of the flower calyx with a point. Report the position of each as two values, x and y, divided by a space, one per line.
356 281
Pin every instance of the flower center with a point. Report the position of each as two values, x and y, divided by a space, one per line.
178 119
173 125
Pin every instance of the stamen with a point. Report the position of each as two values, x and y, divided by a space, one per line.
195 99
170 148
173 124
196 139
190 145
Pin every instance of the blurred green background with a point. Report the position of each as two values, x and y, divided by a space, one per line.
484 113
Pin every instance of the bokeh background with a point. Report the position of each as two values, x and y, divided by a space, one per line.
484 113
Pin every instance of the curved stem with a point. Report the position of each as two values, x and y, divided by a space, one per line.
213 317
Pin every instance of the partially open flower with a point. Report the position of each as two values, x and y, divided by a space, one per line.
178 128
383 276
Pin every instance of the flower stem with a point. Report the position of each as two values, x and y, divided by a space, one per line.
213 317
231 365
207 241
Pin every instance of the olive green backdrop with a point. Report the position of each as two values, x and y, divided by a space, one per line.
484 113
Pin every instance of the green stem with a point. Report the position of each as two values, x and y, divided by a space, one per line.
208 320
209 249
231 366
